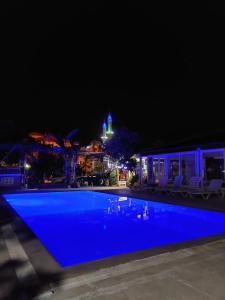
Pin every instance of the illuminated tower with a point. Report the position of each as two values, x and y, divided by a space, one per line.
109 131
104 129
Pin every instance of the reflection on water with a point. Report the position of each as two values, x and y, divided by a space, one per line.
145 214
124 206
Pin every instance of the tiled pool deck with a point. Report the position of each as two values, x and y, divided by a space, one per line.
191 270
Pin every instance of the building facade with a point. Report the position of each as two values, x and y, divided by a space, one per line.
207 162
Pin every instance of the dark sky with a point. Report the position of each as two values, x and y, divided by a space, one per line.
157 66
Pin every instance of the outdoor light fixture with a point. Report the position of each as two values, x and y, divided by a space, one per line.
27 166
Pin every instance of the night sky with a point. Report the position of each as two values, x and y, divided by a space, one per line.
158 68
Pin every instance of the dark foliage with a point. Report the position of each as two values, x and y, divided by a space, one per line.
123 146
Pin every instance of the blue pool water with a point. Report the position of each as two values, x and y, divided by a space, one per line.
83 226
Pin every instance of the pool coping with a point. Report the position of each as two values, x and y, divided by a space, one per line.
20 227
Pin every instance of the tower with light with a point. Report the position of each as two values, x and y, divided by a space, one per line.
104 129
107 129
110 130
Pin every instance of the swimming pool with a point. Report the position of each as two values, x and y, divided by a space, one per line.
82 226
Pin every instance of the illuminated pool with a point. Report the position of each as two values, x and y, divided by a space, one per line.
83 226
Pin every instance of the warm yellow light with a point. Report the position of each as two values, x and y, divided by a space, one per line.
27 166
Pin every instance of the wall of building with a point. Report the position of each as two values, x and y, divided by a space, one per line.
208 164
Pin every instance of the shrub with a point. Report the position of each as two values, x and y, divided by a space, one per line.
134 179
113 177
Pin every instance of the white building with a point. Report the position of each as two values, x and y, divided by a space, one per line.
206 161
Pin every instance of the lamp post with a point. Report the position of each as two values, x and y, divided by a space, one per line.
26 169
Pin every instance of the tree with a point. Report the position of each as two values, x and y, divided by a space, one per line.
113 177
99 167
69 150
46 165
122 147
65 146
21 151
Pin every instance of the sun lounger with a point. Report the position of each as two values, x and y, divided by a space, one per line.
163 182
138 187
176 184
194 185
214 187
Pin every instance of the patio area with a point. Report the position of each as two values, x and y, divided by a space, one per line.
194 273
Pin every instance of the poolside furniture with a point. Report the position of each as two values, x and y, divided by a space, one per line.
122 183
163 182
222 192
214 187
138 187
176 184
194 184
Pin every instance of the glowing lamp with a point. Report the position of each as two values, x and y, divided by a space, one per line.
27 166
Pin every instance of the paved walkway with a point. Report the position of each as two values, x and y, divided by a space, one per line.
195 273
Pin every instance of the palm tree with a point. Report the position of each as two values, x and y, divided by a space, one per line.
69 150
65 146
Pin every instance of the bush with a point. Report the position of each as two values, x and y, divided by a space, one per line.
113 177
134 179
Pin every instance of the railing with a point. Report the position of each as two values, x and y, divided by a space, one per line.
10 170
11 177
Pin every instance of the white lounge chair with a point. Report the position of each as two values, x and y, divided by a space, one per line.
194 184
176 184
214 187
